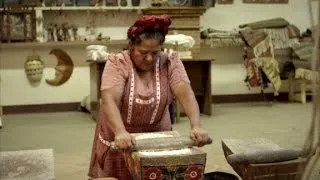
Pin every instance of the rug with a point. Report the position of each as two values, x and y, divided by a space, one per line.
27 164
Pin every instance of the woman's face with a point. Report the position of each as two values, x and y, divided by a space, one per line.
144 55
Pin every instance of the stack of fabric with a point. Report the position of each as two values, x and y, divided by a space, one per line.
268 48
221 38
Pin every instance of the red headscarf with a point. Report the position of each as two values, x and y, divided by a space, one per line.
150 22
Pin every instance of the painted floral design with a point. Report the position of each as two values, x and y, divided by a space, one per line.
193 173
152 173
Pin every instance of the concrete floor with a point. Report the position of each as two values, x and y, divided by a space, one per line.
70 134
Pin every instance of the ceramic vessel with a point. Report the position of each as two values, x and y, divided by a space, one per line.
123 2
135 2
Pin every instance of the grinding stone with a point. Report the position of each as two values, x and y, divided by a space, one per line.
27 164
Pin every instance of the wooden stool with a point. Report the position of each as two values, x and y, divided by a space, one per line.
262 159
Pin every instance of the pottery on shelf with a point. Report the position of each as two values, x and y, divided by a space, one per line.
123 2
135 2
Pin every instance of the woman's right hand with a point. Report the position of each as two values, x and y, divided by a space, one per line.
124 140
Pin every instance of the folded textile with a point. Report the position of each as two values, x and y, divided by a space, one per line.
97 52
268 23
307 74
252 37
303 50
280 37
224 42
293 31
270 67
180 39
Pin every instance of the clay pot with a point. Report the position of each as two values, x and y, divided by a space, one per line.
34 68
123 2
135 2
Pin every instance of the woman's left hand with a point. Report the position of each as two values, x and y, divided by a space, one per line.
199 135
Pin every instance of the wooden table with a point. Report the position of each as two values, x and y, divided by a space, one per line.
198 70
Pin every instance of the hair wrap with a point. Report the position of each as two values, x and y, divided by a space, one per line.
150 23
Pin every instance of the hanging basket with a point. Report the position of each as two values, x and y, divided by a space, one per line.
34 68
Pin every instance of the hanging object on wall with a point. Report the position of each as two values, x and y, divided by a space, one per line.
34 68
64 68
267 1
225 1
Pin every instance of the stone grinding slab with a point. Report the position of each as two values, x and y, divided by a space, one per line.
27 164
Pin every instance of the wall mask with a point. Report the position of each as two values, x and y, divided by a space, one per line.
64 68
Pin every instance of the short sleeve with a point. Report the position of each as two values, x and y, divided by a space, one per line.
177 72
114 73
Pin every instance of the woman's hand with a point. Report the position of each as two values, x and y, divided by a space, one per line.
124 140
199 135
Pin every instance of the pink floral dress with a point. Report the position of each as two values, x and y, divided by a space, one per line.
142 109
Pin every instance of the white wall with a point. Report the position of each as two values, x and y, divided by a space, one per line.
228 72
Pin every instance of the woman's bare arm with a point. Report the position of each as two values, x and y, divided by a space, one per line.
185 95
110 105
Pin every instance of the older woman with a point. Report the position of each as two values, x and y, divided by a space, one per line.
137 88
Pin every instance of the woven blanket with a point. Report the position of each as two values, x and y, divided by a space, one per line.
222 38
280 37
306 74
270 67
268 23
258 40
224 42
303 50
27 164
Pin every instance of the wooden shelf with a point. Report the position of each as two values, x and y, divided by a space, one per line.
86 8
175 11
62 44
185 27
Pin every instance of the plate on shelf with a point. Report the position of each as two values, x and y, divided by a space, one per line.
177 2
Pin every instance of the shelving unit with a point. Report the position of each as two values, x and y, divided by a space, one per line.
44 14
77 8
61 44
41 11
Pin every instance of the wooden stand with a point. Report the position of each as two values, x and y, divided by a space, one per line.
300 96
198 70
186 163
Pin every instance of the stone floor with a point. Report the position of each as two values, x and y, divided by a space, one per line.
70 134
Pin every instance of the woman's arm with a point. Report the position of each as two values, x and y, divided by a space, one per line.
110 105
110 100
181 88
112 84
185 95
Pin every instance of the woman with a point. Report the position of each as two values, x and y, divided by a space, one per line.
137 87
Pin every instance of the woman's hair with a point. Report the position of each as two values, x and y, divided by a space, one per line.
156 35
